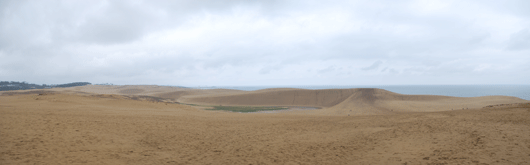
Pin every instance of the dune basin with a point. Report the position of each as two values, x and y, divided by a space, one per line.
105 124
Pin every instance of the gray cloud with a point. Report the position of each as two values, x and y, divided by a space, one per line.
520 40
375 65
393 71
117 22
326 70
231 42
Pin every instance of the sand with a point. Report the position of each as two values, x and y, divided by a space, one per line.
349 101
84 126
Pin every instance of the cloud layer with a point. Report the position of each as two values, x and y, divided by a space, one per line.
232 42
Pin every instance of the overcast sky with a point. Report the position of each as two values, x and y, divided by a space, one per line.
249 42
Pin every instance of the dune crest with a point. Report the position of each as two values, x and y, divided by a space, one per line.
74 126
358 101
355 101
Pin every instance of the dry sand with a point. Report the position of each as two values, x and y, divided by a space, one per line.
349 101
82 125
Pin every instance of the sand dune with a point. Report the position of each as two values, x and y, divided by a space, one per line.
359 101
68 126
378 101
363 101
282 97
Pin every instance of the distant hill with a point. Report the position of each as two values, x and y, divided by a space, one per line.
14 85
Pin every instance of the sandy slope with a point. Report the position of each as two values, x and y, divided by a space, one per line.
366 101
72 126
360 101
111 129
284 97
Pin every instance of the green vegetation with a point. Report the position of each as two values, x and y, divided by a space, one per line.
188 104
246 109
14 85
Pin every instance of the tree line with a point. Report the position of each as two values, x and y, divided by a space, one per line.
14 85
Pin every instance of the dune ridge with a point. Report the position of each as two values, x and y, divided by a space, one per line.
279 97
358 101
69 126
354 101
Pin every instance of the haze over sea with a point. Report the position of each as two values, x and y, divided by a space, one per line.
521 91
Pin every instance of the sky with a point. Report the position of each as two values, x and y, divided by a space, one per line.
254 43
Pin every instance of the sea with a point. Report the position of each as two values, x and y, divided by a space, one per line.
520 91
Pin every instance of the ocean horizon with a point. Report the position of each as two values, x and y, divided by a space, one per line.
520 91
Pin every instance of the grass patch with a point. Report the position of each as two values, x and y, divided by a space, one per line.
245 109
187 104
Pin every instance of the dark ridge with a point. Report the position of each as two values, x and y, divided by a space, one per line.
14 85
